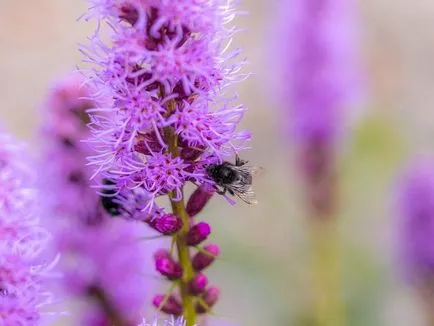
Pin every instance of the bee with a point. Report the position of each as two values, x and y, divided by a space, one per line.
236 179
126 203
110 200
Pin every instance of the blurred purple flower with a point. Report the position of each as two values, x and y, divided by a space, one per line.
24 272
320 84
103 261
322 76
106 261
65 173
415 202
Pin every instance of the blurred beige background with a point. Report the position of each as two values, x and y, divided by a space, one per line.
263 247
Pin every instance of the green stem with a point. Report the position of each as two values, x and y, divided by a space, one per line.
178 208
326 296
322 192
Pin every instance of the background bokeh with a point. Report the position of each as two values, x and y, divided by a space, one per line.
262 271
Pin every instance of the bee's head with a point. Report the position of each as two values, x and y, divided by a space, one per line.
211 170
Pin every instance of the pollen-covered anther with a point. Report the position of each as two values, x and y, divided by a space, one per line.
167 224
167 266
198 233
210 297
199 198
170 305
205 257
198 284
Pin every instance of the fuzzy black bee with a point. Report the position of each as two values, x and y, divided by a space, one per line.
109 199
236 179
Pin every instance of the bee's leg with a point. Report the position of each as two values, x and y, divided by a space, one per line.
218 190
221 191
239 162
231 192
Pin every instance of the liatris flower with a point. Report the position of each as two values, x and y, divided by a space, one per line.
415 209
105 266
23 274
165 72
319 86
64 130
320 82
103 262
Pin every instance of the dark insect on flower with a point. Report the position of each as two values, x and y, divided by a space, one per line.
110 200
234 178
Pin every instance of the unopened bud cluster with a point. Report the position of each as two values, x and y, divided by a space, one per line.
172 270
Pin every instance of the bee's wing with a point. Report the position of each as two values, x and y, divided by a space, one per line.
248 196
243 186
257 171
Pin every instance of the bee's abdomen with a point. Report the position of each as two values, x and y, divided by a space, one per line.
111 206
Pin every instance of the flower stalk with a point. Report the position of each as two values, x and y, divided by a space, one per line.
321 81
163 117
318 165
325 274
180 238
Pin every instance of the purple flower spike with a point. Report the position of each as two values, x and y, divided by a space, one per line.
167 224
199 199
416 207
102 261
321 75
210 297
198 284
202 260
23 241
164 114
198 233
166 67
165 264
321 87
172 306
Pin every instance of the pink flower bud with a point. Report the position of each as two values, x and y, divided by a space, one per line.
190 154
198 233
167 225
202 260
166 266
199 199
172 306
198 284
162 253
210 297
